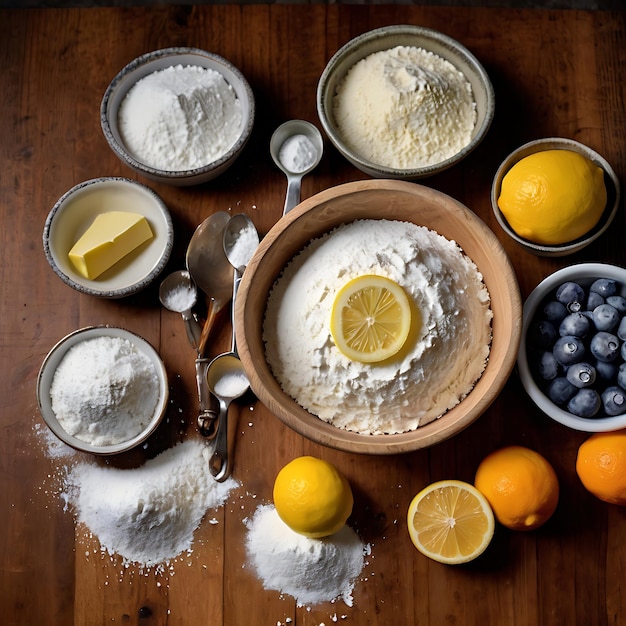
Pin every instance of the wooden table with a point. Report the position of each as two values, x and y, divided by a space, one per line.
555 73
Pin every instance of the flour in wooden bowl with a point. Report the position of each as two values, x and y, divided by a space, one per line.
447 349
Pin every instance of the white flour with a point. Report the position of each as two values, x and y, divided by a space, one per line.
181 298
297 154
180 118
449 342
148 514
104 391
311 570
405 108
243 247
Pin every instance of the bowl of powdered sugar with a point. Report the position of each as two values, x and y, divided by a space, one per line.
102 390
404 102
178 115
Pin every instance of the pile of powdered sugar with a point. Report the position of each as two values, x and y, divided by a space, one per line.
180 118
310 570
104 391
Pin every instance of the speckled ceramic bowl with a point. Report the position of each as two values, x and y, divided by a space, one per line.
159 60
389 37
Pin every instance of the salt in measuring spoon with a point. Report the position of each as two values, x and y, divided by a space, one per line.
178 293
296 147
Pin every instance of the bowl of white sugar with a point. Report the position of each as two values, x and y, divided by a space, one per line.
178 115
324 278
102 390
404 102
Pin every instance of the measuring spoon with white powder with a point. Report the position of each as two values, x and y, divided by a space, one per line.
296 147
178 293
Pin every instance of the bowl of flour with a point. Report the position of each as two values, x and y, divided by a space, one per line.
404 102
461 349
102 390
178 115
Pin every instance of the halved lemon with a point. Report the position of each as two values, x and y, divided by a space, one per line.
450 521
370 319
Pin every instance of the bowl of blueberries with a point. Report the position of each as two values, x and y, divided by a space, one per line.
572 357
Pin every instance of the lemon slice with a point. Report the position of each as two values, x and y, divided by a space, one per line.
450 521
371 318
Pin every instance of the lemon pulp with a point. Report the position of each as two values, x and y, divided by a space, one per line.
553 197
370 319
450 521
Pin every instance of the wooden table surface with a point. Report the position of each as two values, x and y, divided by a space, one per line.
555 73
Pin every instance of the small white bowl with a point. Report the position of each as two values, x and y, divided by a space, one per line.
404 35
54 358
154 62
584 274
558 143
74 212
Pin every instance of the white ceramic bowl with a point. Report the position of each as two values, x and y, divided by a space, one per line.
389 37
558 143
74 212
584 274
54 358
159 60
378 199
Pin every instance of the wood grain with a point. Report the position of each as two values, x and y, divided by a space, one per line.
555 73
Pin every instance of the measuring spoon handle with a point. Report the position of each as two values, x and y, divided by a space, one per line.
293 193
207 402
218 463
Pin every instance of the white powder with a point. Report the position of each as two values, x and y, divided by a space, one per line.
311 570
243 247
449 344
148 515
297 154
104 391
181 298
405 108
180 118
232 385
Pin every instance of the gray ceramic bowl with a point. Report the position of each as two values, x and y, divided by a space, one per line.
50 365
74 212
389 37
159 60
557 143
584 274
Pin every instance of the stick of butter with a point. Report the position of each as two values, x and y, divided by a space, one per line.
110 237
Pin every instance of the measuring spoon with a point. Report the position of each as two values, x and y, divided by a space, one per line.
309 150
240 241
178 293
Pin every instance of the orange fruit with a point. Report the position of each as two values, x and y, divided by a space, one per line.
520 485
450 522
601 466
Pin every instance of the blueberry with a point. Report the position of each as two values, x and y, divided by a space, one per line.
554 311
621 376
542 334
621 329
606 372
604 286
614 400
605 346
593 300
581 375
547 366
561 391
586 403
575 324
568 350
572 295
605 317
618 302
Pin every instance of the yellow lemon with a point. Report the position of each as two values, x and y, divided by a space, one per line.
553 197
520 485
450 521
370 319
312 497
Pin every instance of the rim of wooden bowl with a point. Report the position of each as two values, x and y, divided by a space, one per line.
396 200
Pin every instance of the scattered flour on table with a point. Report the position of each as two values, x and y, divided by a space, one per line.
180 118
310 570
405 108
104 391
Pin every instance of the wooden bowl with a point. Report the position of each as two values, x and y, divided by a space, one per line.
378 199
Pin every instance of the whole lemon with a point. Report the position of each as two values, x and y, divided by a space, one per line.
601 466
553 197
520 485
312 497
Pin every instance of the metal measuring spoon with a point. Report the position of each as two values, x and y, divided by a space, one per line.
240 241
178 293
289 131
